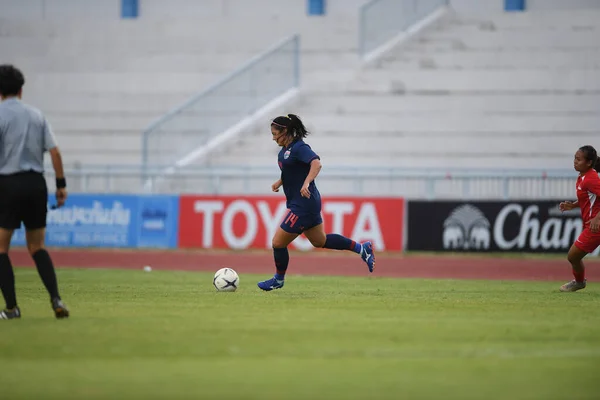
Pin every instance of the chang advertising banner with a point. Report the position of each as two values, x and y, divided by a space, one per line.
513 226
250 222
98 220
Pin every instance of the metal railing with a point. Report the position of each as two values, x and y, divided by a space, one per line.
381 20
222 105
376 181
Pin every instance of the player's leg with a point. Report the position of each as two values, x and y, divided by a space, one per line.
317 237
575 257
586 243
35 224
45 268
7 277
9 221
287 232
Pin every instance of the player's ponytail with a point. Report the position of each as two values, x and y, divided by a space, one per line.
298 128
597 165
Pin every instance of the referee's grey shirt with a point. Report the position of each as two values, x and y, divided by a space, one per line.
25 136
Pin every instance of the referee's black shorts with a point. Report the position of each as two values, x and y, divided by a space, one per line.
23 198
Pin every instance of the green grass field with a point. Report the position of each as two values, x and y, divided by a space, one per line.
169 335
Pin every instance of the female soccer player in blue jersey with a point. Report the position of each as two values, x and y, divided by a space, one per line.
299 166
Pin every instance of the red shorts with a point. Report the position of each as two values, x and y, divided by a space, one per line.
588 241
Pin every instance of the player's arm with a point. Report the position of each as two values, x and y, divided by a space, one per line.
315 168
306 155
278 183
568 205
57 163
59 171
593 186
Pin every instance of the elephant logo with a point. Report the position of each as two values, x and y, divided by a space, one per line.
466 228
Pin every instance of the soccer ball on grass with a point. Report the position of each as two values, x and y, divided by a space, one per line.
226 280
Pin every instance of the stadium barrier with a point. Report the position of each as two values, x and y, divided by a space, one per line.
219 222
491 226
413 183
249 222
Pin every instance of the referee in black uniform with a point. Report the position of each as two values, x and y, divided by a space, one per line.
25 136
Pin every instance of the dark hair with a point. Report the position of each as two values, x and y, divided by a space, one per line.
294 126
11 80
591 154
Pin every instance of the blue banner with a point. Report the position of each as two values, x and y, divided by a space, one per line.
98 220
158 224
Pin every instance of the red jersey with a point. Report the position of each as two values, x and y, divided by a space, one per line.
588 195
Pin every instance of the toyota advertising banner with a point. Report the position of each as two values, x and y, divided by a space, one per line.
232 222
491 226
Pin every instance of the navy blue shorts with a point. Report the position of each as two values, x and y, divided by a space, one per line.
293 223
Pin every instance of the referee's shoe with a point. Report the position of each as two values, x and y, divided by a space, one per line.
10 314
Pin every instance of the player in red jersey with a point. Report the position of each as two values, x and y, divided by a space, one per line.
587 164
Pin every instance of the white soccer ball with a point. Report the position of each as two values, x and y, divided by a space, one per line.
226 280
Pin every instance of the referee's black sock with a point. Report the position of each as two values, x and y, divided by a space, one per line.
7 281
45 268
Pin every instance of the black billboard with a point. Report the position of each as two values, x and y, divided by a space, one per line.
491 226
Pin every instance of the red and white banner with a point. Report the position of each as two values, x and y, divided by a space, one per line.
231 222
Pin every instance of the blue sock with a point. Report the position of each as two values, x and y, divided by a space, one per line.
282 259
339 242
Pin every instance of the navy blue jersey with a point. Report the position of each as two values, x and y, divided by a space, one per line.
294 162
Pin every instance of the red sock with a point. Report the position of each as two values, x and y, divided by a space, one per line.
579 275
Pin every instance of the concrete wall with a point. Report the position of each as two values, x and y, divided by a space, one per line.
496 91
158 9
101 82
496 6
60 9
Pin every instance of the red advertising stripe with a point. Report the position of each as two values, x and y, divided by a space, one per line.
250 222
